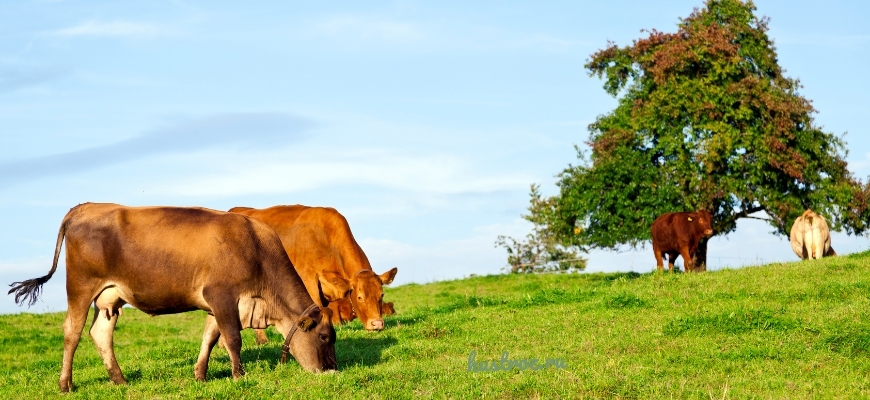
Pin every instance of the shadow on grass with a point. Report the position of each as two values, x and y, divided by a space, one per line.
365 351
132 375
354 351
622 275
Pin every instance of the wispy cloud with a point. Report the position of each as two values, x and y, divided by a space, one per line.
447 259
18 77
239 129
116 28
271 173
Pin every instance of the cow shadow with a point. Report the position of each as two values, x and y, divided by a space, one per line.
362 351
132 375
349 351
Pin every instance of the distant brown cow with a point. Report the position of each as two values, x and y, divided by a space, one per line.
165 260
678 234
328 258
342 311
810 237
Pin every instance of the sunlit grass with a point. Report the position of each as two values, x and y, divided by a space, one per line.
794 330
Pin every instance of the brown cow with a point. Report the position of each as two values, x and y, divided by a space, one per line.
342 311
165 260
810 237
327 257
678 234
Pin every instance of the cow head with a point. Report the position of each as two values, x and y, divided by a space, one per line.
313 343
387 309
367 296
702 220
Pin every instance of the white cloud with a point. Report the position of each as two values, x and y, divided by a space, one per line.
116 28
449 259
290 170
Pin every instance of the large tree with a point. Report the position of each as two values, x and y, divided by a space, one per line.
705 120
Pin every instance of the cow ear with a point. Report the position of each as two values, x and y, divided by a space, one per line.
387 277
305 323
333 286
325 314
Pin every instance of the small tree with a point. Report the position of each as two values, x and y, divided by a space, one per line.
541 252
705 120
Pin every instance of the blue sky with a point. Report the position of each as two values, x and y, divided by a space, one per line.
424 123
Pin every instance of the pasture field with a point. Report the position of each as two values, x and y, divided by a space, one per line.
792 330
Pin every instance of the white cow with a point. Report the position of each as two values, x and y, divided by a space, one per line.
810 237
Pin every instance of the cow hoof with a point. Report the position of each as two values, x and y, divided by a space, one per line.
65 385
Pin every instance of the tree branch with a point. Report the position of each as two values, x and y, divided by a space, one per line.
763 219
745 213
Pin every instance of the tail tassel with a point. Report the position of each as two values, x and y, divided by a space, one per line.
27 291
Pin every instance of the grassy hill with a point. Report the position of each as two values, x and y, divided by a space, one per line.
793 330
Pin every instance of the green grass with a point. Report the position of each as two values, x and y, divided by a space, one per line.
794 330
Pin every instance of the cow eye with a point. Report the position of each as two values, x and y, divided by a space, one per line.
324 338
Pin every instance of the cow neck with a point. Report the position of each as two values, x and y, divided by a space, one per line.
353 260
285 349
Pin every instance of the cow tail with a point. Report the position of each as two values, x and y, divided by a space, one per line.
28 291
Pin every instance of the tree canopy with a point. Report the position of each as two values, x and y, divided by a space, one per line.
705 119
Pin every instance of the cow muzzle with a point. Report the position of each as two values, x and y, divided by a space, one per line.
375 325
708 232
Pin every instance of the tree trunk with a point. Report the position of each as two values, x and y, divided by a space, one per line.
699 260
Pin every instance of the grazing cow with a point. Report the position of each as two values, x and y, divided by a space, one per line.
342 311
388 309
810 237
678 234
165 260
328 258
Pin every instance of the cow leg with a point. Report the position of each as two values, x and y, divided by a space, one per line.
672 257
210 336
230 329
224 306
76 316
658 253
102 330
687 259
261 336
